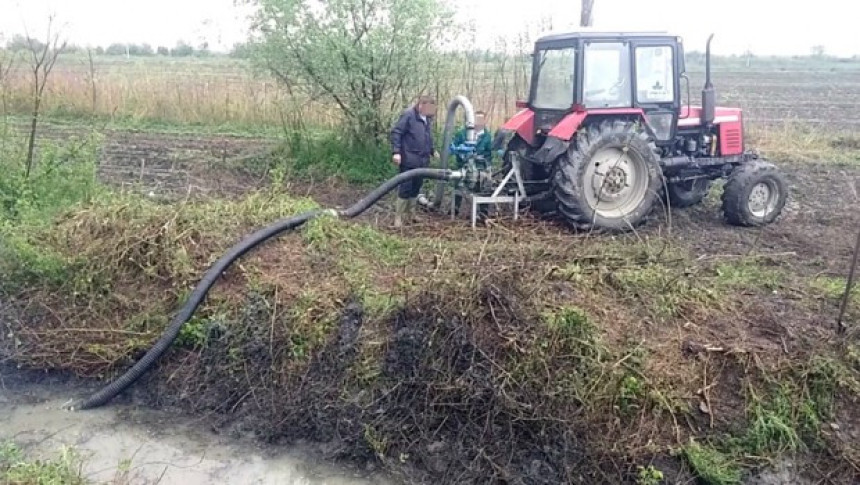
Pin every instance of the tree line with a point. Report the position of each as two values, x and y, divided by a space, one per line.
21 43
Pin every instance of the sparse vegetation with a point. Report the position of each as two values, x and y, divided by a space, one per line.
15 469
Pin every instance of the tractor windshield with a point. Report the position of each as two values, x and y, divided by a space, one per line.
554 86
607 76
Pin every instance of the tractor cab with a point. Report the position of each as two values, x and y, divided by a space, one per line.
608 71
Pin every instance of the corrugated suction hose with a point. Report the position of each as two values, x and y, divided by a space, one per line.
199 294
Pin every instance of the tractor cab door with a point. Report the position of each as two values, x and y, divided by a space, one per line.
656 85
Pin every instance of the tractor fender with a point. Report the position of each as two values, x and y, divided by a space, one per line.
566 128
523 124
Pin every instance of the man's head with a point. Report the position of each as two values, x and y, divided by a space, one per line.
427 105
480 120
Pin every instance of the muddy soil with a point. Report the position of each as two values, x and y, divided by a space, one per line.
126 443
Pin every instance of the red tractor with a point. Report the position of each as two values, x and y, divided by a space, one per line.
604 137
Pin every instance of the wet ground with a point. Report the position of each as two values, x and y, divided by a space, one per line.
128 444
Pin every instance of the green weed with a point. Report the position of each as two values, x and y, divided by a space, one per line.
330 154
666 291
773 425
16 469
575 330
710 465
63 176
649 476
193 334
310 323
832 288
349 240
748 274
25 261
631 392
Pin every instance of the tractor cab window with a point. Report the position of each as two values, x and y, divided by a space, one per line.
655 74
607 75
554 70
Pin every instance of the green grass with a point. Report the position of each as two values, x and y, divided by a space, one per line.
795 142
748 273
668 290
710 465
786 413
833 288
16 469
773 427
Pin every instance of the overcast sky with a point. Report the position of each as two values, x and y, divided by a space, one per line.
762 26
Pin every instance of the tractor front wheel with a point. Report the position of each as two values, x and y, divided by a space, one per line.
610 179
687 193
754 195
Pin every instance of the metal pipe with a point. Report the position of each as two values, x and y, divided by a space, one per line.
709 97
447 134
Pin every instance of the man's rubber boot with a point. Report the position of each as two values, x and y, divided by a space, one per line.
400 208
410 210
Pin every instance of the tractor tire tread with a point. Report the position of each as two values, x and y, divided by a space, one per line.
680 198
567 175
736 193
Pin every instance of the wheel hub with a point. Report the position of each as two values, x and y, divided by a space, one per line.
762 199
617 182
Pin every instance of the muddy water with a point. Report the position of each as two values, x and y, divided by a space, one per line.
151 446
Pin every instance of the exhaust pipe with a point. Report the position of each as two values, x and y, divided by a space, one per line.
709 103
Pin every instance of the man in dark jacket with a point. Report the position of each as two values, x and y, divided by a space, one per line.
411 148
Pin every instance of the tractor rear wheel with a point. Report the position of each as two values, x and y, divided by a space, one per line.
754 195
610 178
688 193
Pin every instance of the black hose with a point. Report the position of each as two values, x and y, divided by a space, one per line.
197 296
448 134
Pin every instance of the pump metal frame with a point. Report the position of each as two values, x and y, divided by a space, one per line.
495 197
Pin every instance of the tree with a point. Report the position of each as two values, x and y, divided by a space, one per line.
116 50
586 17
367 56
7 62
240 51
43 56
182 49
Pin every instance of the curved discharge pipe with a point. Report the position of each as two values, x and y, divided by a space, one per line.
448 133
250 242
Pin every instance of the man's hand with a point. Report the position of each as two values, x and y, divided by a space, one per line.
396 159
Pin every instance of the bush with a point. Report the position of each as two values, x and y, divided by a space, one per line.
63 175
